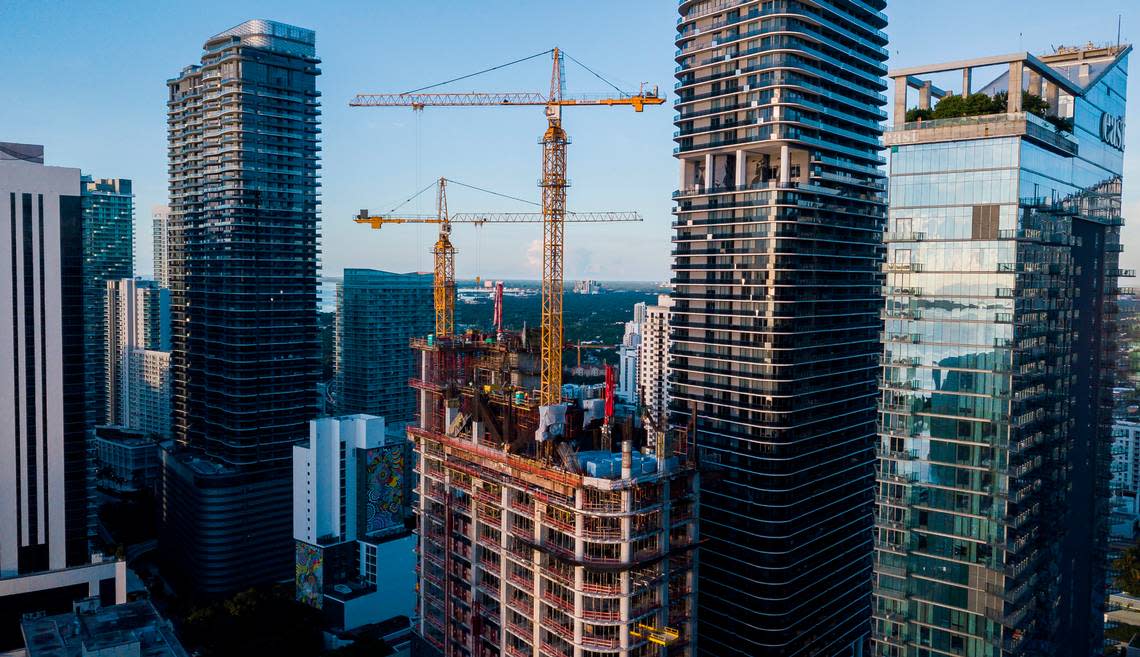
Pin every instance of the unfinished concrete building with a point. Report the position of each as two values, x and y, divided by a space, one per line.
549 531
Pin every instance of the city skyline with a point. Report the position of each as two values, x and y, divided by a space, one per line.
370 157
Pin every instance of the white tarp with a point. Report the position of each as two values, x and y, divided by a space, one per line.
551 422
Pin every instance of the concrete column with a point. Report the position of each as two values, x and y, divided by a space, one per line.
536 589
506 499
785 164
1034 82
1016 72
626 556
924 95
579 571
741 171
120 583
709 182
1052 97
900 100
423 393
683 183
967 81
421 558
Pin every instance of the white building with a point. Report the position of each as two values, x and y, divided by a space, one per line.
653 360
35 512
45 471
627 356
160 214
351 493
138 356
1125 484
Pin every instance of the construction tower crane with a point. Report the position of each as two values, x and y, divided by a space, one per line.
553 183
443 294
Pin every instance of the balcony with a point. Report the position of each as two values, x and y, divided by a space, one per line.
1020 124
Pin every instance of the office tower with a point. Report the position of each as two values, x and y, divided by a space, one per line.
776 313
108 254
627 356
653 360
999 354
243 162
351 499
44 558
138 356
160 216
541 532
378 313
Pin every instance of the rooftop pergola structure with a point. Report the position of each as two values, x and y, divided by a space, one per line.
1043 80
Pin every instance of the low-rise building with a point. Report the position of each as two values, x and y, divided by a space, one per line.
351 500
132 629
126 460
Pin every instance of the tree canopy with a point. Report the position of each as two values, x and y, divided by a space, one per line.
1128 570
953 106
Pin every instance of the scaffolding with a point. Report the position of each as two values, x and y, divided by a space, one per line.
535 537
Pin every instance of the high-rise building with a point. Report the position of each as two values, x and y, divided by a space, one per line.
1125 485
627 355
138 356
541 532
653 360
776 276
999 355
43 517
160 216
243 163
44 467
108 254
351 501
378 313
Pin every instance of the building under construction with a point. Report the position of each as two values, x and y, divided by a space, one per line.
545 530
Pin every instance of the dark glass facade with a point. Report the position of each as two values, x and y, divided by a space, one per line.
244 160
774 331
108 254
377 315
998 364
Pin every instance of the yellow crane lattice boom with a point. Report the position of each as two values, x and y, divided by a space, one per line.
443 288
553 184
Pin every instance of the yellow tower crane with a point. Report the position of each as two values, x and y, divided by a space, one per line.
553 183
444 252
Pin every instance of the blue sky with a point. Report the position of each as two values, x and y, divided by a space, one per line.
87 80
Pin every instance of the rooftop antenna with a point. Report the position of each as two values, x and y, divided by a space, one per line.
1119 18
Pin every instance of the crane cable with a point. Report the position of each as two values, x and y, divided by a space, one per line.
519 61
413 197
595 74
487 191
471 75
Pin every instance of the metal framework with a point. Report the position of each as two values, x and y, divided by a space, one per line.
553 184
443 292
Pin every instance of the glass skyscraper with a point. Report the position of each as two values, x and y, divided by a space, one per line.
774 337
999 353
377 315
243 228
108 254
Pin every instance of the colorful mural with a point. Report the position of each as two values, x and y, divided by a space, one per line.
310 575
384 474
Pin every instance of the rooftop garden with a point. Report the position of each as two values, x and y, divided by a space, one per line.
957 106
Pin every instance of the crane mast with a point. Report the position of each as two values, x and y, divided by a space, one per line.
443 252
443 289
553 184
553 231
